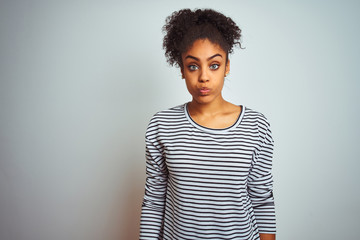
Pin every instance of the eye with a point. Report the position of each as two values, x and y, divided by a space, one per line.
214 66
193 67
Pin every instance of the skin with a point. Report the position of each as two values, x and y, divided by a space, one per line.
204 68
264 236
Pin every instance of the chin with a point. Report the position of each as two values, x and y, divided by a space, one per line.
204 99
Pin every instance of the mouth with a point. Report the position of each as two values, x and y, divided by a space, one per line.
204 91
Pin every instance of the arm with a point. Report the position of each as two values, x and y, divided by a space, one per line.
155 192
260 185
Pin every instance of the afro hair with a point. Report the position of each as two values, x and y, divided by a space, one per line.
184 27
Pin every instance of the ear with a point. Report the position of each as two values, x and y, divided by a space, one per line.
182 73
227 67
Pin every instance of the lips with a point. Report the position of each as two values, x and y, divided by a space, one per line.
204 91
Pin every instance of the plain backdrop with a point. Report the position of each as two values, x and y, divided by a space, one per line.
80 80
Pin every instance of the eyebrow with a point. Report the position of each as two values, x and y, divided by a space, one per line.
197 59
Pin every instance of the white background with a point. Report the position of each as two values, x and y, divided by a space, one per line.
79 81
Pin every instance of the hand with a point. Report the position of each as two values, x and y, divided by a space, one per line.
266 236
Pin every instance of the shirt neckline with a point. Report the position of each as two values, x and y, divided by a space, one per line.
214 130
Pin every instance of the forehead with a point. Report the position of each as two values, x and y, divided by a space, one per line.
203 48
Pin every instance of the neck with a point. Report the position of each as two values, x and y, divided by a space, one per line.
212 108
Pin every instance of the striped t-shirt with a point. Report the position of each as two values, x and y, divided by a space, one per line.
205 183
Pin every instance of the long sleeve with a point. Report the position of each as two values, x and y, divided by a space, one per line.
260 182
155 193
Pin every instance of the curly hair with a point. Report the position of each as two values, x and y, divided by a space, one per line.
184 27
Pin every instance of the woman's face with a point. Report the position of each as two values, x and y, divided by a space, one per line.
204 69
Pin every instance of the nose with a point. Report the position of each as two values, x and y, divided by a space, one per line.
204 76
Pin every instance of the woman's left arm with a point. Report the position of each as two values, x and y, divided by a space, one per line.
260 182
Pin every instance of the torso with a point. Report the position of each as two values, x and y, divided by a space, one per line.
207 173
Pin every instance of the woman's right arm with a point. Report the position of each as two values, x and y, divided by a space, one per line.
153 206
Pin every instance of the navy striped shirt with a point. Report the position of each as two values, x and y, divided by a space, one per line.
205 183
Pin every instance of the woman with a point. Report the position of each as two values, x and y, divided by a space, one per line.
208 161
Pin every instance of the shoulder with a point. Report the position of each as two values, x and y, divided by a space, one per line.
261 124
171 112
168 114
254 117
165 119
